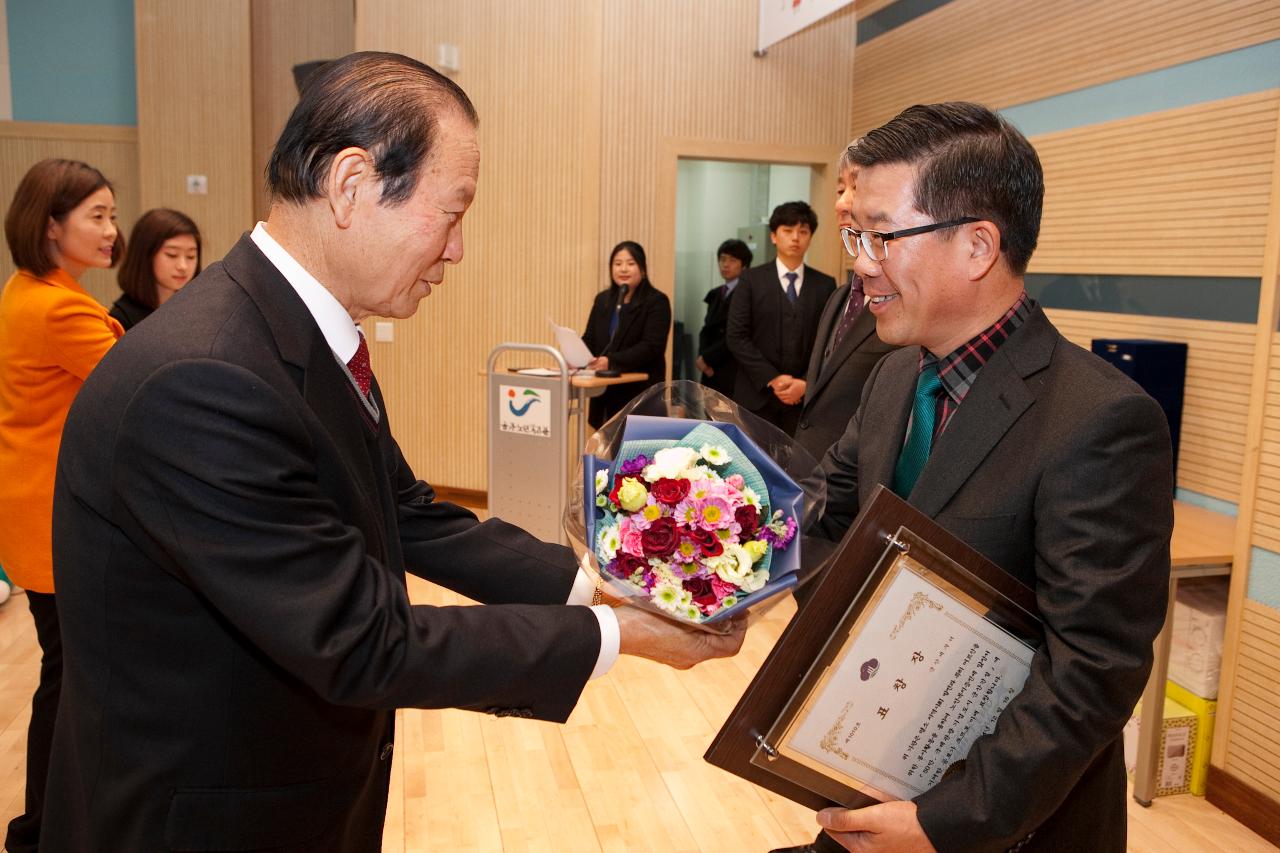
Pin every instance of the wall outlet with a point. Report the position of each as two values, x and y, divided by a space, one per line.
197 185
384 332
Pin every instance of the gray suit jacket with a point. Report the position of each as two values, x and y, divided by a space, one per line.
1058 469
833 386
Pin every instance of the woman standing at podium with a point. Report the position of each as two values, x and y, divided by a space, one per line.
627 329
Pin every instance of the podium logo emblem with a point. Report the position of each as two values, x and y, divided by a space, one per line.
529 397
524 410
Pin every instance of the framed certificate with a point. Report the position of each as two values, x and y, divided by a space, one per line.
907 652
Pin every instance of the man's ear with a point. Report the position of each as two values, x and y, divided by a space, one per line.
351 175
982 241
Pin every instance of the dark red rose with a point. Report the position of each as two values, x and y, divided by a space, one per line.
628 564
670 492
704 594
661 539
706 541
749 517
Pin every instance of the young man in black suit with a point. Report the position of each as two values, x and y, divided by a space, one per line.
716 364
774 319
233 519
1038 454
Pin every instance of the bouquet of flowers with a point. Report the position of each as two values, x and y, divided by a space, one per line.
691 518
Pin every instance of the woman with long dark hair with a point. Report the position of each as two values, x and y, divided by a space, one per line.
61 223
627 329
164 254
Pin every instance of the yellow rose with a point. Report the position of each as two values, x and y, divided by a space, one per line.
756 549
632 494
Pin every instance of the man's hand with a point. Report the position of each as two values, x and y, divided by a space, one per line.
780 384
648 636
888 826
704 367
794 393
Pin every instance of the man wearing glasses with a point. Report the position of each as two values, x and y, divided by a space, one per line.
1033 451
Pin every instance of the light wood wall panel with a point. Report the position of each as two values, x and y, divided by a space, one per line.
1216 405
1006 52
578 102
110 149
1252 746
1179 192
195 113
287 33
531 239
1266 518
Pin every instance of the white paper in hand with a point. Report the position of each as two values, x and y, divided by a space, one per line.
571 345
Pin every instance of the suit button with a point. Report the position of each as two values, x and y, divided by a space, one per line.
386 752
804 425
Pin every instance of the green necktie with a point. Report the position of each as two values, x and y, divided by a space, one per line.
920 440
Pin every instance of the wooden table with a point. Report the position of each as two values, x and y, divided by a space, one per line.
1203 542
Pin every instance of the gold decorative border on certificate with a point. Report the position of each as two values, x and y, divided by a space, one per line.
918 600
830 741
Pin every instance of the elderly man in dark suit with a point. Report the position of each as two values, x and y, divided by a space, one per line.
1035 452
233 519
774 319
846 350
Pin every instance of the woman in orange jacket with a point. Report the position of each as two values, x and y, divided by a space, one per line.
62 222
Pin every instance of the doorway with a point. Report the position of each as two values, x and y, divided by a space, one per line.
717 200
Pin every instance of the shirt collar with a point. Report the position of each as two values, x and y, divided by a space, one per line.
959 369
782 272
340 332
730 285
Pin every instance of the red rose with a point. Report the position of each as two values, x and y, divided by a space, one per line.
670 492
628 564
749 518
706 541
704 594
617 484
661 539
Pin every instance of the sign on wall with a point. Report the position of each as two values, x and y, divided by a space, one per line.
782 18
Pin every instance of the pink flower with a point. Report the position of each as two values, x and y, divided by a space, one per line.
736 481
713 513
631 542
722 588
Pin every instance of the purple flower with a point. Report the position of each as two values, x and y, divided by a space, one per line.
634 466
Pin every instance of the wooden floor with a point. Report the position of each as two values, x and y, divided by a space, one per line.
625 773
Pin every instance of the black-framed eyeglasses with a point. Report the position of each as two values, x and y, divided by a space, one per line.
874 242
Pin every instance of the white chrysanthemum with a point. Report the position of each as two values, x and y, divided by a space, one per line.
602 480
609 542
755 581
602 501
692 613
749 495
728 601
714 454
663 572
701 472
671 598
670 462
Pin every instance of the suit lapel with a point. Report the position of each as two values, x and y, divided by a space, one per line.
863 328
997 400
324 384
884 420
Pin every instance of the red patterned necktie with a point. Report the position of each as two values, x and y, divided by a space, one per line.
359 366
852 308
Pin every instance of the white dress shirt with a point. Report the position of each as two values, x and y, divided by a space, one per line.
343 337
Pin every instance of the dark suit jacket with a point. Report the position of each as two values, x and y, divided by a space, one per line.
833 386
640 344
232 532
757 328
713 346
1057 468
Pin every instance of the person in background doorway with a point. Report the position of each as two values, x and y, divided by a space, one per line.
715 362
774 319
164 255
61 223
627 329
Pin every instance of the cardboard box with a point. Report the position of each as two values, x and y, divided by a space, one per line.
1195 647
1206 711
1177 747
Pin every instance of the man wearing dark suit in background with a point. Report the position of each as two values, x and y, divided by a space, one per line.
774 319
1033 451
233 519
715 362
846 350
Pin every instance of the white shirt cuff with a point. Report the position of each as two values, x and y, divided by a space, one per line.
610 636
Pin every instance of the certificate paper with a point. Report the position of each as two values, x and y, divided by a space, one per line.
921 676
